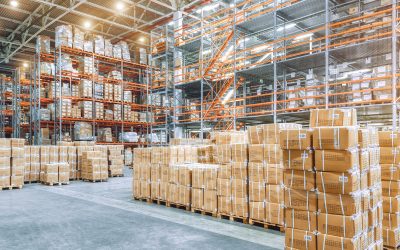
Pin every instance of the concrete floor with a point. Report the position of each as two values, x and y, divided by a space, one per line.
86 215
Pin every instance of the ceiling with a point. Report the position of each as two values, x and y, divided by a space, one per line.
19 26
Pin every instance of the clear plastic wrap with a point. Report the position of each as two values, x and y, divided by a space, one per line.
88 45
128 137
83 131
125 51
99 44
79 38
64 36
43 44
117 52
108 48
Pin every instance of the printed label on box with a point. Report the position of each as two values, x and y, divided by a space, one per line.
343 179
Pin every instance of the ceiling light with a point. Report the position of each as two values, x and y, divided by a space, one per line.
14 3
304 36
287 26
142 39
87 25
25 65
120 6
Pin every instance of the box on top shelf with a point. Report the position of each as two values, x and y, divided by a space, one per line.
333 117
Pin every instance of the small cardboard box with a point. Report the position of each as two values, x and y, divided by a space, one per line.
185 176
338 183
198 177
272 154
340 225
239 188
240 206
271 131
255 134
337 138
210 177
197 198
256 172
391 204
389 139
338 243
257 210
391 238
225 204
391 221
300 239
298 159
301 200
240 153
224 187
390 172
390 188
299 179
239 170
63 177
210 201
222 153
336 160
389 155
340 204
224 171
302 220
300 139
333 117
256 191
256 153
275 194
273 174
274 213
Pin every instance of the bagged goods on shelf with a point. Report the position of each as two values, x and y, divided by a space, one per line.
128 137
99 90
127 112
88 45
99 44
83 131
333 117
43 44
108 48
117 92
108 114
128 96
117 112
47 68
66 63
64 36
99 110
79 38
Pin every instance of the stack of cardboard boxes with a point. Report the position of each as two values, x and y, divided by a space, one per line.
32 163
389 143
299 183
180 185
204 188
94 166
141 173
5 163
55 173
17 162
115 160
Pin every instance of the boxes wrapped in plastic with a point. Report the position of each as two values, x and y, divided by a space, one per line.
128 137
79 38
66 63
108 48
117 51
47 68
43 44
85 88
64 36
99 44
88 45
83 131
125 51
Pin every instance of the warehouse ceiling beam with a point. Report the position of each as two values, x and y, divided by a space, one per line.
45 22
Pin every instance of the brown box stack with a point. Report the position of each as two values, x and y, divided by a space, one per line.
180 184
141 173
55 173
79 152
72 160
27 164
204 187
34 172
94 166
17 162
115 160
5 163
389 143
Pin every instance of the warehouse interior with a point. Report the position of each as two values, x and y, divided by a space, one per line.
228 124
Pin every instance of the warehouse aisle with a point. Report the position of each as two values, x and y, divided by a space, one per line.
102 215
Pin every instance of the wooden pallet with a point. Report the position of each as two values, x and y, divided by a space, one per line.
98 180
391 248
159 202
116 175
178 206
204 212
235 218
10 187
54 183
148 200
267 225
30 182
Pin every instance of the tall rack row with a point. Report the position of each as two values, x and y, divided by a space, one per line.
82 95
272 61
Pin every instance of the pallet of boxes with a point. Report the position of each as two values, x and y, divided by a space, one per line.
115 161
12 163
141 174
266 192
389 142
52 171
95 165
32 164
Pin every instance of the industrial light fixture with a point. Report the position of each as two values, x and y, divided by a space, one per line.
120 6
25 65
304 36
14 3
227 97
287 26
87 25
142 39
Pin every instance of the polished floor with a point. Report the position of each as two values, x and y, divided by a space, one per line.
86 215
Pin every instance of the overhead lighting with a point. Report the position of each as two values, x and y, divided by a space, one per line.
287 26
171 23
120 6
304 36
14 3
227 97
142 39
87 24
264 57
25 65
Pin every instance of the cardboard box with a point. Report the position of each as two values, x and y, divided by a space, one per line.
374 156
210 201
391 238
302 220
364 163
299 179
300 239
163 191
255 134
197 198
390 188
374 176
256 191
155 172
337 138
391 221
164 177
275 213
154 190
239 188
340 204
300 139
239 170
240 207
273 174
389 155
224 171
298 159
272 154
389 139
271 131
338 243
390 172
336 160
256 153
185 175
301 200
210 177
275 194
197 177
5 181
224 187
391 204
174 174
338 183
17 181
257 210
256 172
340 225
333 117
222 153
224 204
240 153
145 189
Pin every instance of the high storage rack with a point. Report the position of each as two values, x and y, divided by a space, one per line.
130 76
272 61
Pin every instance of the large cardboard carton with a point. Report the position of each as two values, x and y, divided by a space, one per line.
301 200
389 139
338 243
391 204
164 175
275 194
272 154
389 155
337 138
299 179
256 153
271 131
302 220
299 139
273 174
240 206
256 191
364 160
336 160
333 117
224 171
197 198
174 174
155 190
338 183
257 210
155 172
210 177
163 191
300 239
391 221
255 134
391 237
390 172
240 153
340 204
275 213
239 188
298 159
390 188
256 172
222 153
239 170
224 187
210 201
197 177
224 204
340 225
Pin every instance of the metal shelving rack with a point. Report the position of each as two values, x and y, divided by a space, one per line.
103 64
285 58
